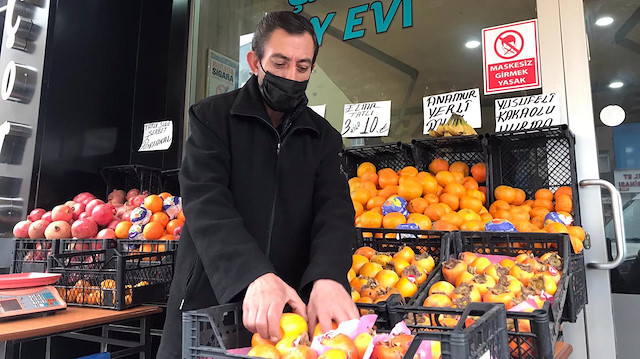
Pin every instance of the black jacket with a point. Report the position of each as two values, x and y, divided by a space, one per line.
256 201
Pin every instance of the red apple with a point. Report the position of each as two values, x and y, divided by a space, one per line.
103 214
78 209
107 233
47 216
57 230
36 214
21 229
62 213
92 204
84 228
37 228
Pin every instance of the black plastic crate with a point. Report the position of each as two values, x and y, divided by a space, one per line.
467 149
392 155
170 181
534 159
392 240
540 342
211 332
111 280
577 296
128 177
70 245
32 255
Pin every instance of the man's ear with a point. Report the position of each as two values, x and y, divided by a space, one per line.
252 60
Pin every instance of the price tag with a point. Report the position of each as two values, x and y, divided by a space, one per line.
157 136
368 119
439 108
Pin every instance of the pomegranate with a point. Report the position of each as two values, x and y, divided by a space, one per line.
47 216
36 214
69 203
77 210
132 193
117 195
82 196
116 204
103 214
138 200
113 223
62 213
84 215
57 230
121 210
107 233
177 232
21 229
126 216
84 228
92 204
37 228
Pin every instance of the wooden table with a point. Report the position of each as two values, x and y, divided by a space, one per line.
563 350
66 322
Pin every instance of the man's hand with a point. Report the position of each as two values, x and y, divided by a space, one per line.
264 302
329 302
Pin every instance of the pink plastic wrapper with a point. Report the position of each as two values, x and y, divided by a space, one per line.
350 328
424 350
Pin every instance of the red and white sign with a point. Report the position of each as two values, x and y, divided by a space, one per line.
511 57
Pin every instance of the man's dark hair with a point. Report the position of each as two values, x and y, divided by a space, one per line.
295 24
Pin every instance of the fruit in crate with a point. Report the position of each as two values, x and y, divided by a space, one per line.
455 126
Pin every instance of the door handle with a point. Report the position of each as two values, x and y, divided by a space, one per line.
618 225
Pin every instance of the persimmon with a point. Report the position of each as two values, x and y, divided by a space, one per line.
442 287
334 354
415 273
498 294
437 300
464 289
357 261
482 282
452 268
406 287
496 271
511 283
300 352
265 351
292 325
424 261
381 258
465 277
387 278
366 251
467 257
552 272
522 272
370 269
544 282
480 264
399 265
351 275
405 253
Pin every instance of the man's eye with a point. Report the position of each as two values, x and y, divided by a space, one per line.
303 69
279 65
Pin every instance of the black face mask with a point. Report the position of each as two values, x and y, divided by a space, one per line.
282 94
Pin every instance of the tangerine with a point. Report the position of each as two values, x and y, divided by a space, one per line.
366 167
431 198
166 237
505 193
486 217
538 222
544 193
371 219
161 217
476 194
434 212
408 170
387 177
577 232
153 203
479 172
417 205
375 201
369 187
555 227
564 203
564 190
438 164
165 195
442 225
451 200
476 226
180 216
353 182
360 195
470 183
409 190
460 167
544 203
153 230
497 205
453 218
393 219
446 207
517 214
357 206
469 215
471 203
502 214
173 224
122 229
528 202
444 178
370 177
388 191
540 212
455 189
405 178
429 184
459 177
422 175
520 197
423 221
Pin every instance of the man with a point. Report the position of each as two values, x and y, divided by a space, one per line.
268 211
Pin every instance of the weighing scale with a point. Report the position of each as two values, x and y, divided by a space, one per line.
29 294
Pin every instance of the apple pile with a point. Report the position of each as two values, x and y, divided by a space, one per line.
83 217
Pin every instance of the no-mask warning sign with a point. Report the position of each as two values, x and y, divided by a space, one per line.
511 57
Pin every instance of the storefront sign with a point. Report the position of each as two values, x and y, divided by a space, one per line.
319 109
369 119
627 181
511 57
524 113
157 136
355 17
222 74
438 108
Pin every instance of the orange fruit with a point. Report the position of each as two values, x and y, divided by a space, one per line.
564 203
409 190
472 226
577 232
538 222
431 198
429 184
555 227
523 226
371 219
540 212
180 215
160 217
564 190
439 190
455 189
497 205
518 214
153 230
520 197
393 219
122 229
460 167
387 177
388 191
434 212
353 182
486 217
165 195
437 165
459 177
360 195
421 220
357 206
544 193
422 175
442 225
451 200
366 167
173 224
471 203
577 244
505 193
377 209
417 205
376 201
453 218
446 207
502 214
370 177
470 183
153 203
469 215
165 237
476 194
544 203
529 203
444 178
409 170
405 178
369 187
479 172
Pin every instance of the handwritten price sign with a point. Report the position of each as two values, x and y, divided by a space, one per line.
368 119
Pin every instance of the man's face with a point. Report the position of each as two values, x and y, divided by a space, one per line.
285 55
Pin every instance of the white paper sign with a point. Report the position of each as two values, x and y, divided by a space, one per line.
157 136
627 181
222 74
438 108
319 109
368 119
524 113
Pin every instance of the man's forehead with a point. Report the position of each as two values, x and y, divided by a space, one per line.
283 43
